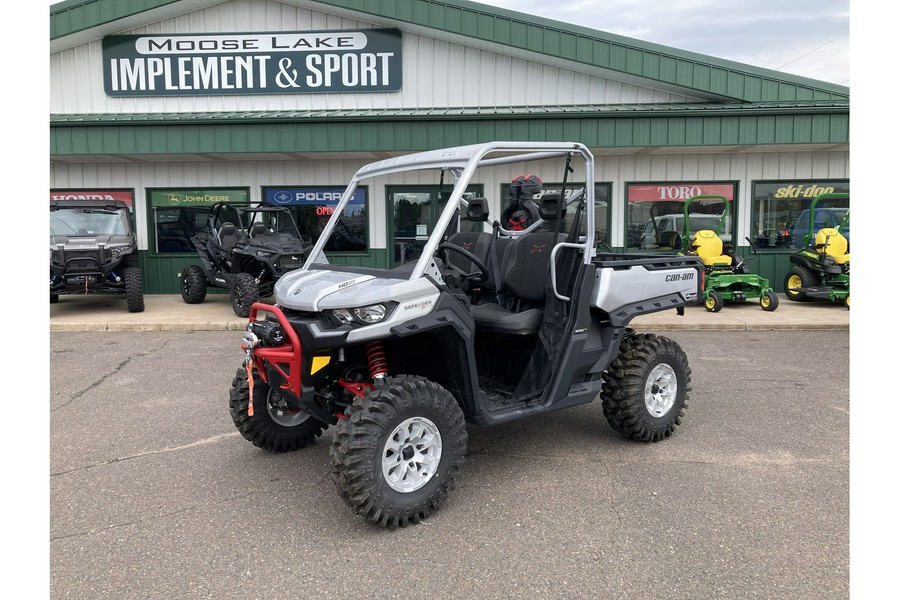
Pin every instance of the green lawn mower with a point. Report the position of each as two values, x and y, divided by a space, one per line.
821 268
728 277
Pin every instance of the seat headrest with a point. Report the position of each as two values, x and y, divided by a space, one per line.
258 228
525 185
549 207
228 228
477 210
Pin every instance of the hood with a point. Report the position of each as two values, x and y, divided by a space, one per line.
316 290
88 242
281 245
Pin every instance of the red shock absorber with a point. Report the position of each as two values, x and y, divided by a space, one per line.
377 359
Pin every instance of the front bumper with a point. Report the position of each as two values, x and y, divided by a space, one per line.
290 356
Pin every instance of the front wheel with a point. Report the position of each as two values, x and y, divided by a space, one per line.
244 292
768 301
134 289
714 301
193 285
275 425
395 458
646 388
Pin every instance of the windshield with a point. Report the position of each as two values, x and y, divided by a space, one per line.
88 222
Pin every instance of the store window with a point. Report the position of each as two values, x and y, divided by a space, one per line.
177 215
313 206
601 206
656 212
780 213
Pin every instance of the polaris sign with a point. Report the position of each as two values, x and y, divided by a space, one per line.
253 63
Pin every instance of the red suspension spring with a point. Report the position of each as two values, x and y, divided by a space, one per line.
377 359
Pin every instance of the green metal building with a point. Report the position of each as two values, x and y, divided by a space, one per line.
175 104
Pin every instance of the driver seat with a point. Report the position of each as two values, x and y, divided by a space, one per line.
830 241
258 230
708 246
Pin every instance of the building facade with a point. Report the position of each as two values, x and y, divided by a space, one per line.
175 105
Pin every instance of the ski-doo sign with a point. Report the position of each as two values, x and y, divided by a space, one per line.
303 62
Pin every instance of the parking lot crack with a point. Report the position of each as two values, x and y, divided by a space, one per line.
148 519
100 380
120 459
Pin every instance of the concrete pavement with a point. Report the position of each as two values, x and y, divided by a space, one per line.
168 312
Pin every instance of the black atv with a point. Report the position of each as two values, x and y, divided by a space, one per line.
244 250
93 249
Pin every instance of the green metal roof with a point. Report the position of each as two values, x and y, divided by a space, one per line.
695 72
409 130
506 112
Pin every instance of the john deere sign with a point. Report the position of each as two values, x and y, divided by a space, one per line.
253 63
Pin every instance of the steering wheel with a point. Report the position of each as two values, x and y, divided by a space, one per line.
478 277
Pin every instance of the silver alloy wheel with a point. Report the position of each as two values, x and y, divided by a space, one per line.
411 455
283 414
660 390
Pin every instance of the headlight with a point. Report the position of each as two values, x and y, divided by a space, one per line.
371 314
264 254
118 250
342 315
365 315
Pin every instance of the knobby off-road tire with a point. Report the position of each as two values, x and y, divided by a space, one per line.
799 277
646 388
273 426
244 292
395 458
134 289
193 284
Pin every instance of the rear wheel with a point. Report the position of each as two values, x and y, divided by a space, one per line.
395 458
54 298
646 388
134 289
275 425
193 285
796 278
244 292
768 301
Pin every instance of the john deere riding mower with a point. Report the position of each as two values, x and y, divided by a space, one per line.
728 278
821 268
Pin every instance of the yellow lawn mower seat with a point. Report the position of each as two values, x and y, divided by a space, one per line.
708 246
830 241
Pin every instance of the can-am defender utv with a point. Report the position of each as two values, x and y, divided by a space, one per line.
93 249
245 249
397 361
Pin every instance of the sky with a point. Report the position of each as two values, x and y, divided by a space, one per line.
810 38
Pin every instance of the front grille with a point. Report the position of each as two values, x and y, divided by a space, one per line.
82 265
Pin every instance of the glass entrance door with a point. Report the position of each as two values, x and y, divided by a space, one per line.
414 211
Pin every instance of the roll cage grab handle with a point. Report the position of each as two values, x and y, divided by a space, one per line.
449 159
